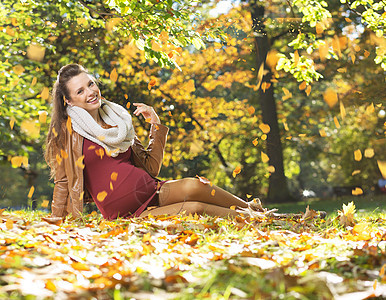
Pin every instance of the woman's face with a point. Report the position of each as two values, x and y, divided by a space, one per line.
84 93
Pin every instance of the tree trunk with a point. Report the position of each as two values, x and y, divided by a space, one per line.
278 188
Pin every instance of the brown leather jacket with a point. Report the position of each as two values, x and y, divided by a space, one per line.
70 192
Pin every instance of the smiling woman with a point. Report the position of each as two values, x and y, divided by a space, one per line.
94 155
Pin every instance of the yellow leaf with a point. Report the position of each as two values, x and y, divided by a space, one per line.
357 155
265 86
260 75
375 284
322 133
263 137
331 97
146 237
342 70
287 94
35 52
213 192
18 69
45 203
111 23
12 122
382 167
308 90
355 172
342 110
233 207
30 127
319 28
271 169
264 157
42 116
336 122
9 224
68 125
114 75
101 196
370 109
352 55
357 191
164 36
248 195
369 152
272 59
265 128
111 186
323 51
236 171
79 162
58 159
31 191
50 286
80 266
114 176
155 46
45 94
296 57
255 142
285 126
63 153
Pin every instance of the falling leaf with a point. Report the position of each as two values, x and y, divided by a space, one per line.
375 284
12 122
114 75
265 128
348 20
128 105
114 176
263 137
248 195
319 28
355 172
323 51
101 196
68 125
369 152
31 191
111 186
331 97
45 203
308 90
151 83
63 153
30 127
54 132
233 207
272 59
80 266
264 157
352 56
303 85
366 53
265 86
285 126
260 74
35 52
18 69
336 122
342 110
155 46
204 180
251 110
92 147
255 142
357 191
45 94
236 171
213 192
100 152
322 133
342 70
382 167
79 162
357 155
58 159
271 169
287 94
43 116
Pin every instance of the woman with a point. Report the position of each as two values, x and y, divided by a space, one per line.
94 155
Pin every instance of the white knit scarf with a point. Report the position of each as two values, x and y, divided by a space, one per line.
114 140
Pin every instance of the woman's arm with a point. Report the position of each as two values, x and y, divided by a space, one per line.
151 157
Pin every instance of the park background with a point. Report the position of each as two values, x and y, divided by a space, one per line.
273 99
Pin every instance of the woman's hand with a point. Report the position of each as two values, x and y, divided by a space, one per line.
147 112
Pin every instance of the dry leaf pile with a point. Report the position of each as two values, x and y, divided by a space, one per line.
257 255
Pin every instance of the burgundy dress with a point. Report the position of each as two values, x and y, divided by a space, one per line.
119 189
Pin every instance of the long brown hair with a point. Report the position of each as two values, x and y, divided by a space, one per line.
55 137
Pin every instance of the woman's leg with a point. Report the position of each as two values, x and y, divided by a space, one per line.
190 207
192 189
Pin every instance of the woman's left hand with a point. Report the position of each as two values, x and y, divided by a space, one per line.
147 112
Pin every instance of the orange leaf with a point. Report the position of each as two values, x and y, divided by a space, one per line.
128 105
100 152
114 75
319 28
80 266
164 36
296 57
251 110
68 125
45 203
331 97
366 53
213 192
114 176
79 162
63 153
322 133
308 90
357 191
265 86
233 207
204 180
18 69
31 191
189 86
111 186
236 171
255 142
9 224
303 85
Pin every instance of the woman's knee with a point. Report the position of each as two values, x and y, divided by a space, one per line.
195 207
192 187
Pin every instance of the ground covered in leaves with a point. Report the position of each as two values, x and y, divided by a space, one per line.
192 257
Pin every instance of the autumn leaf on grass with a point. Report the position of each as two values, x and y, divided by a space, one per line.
346 215
309 214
